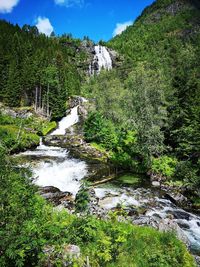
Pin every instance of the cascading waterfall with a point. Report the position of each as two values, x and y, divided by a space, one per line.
67 122
52 166
102 59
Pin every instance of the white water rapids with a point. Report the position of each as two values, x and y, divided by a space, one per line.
157 208
52 166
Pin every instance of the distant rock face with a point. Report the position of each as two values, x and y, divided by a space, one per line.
172 9
99 57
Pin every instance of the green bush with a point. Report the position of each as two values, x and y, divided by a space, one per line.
100 130
16 139
82 198
164 166
48 127
188 172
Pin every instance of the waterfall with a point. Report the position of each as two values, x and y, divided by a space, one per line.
102 59
67 122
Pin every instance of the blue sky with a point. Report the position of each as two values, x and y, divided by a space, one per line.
98 19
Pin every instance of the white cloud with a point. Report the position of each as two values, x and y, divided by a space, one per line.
120 27
6 6
44 26
69 3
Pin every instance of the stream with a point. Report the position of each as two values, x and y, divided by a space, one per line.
52 166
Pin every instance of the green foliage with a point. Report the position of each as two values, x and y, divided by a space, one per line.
16 139
17 133
129 179
155 91
35 69
82 198
121 244
29 225
48 127
188 172
100 130
121 144
164 166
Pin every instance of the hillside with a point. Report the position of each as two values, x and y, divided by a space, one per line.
156 92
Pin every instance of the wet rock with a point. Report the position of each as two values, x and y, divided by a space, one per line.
156 184
54 195
68 202
48 189
76 101
176 198
180 214
197 259
131 211
146 221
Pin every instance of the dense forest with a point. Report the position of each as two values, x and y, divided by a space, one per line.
146 118
38 70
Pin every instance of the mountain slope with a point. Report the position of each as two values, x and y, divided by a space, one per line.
156 92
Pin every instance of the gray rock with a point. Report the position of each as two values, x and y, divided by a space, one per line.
155 183
65 256
56 196
168 225
197 259
9 112
48 189
71 251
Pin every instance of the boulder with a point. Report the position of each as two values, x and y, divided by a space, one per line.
48 189
64 256
71 251
176 198
156 184
56 196
197 259
168 225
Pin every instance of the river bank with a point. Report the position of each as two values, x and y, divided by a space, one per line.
59 173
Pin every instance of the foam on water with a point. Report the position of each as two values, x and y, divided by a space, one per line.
46 151
65 175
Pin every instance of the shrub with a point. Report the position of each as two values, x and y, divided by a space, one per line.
82 198
100 130
188 172
164 166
